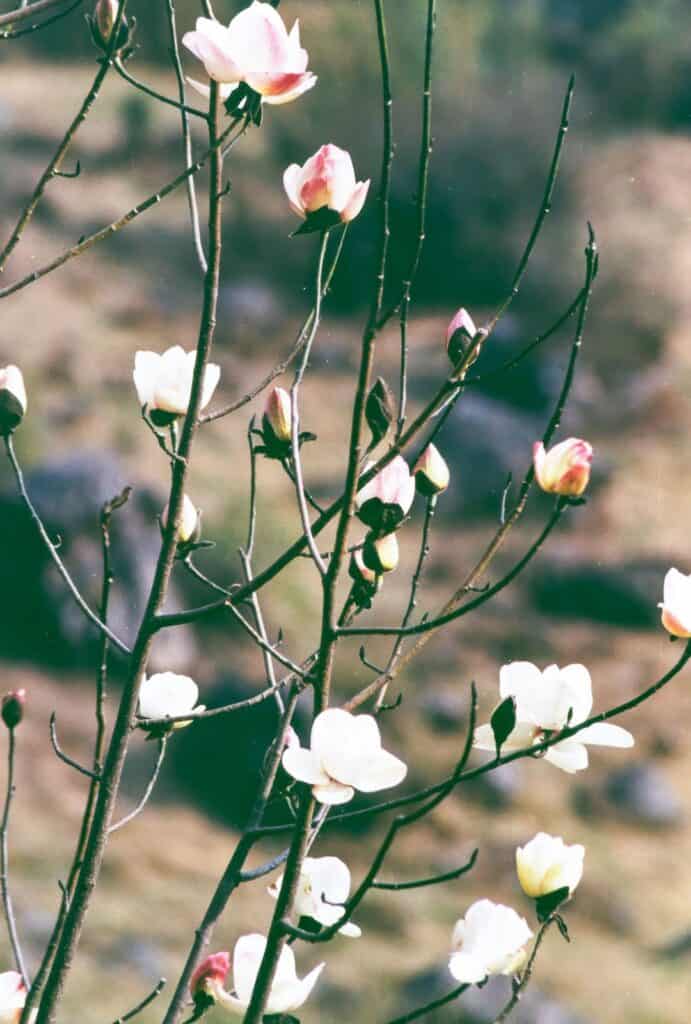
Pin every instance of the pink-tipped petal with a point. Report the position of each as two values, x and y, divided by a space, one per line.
356 202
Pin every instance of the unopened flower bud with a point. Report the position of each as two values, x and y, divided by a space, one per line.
277 414
381 555
189 528
210 976
547 864
12 399
459 333
359 571
431 472
106 12
565 468
13 708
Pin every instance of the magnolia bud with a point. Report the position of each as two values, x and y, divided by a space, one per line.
12 399
277 414
546 864
431 472
565 468
210 976
459 333
381 555
13 708
189 529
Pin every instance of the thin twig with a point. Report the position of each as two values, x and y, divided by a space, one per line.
135 1011
526 974
53 167
545 206
186 136
4 863
53 552
295 350
148 791
421 883
28 11
295 412
41 24
65 758
148 91
436 1004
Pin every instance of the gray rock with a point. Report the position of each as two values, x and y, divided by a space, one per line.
40 619
445 709
637 792
626 594
482 1005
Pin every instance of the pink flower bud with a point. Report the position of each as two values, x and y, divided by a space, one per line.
106 13
381 555
385 500
210 976
12 399
359 569
431 472
277 414
565 468
459 333
12 708
326 182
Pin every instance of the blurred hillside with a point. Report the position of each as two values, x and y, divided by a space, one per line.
502 68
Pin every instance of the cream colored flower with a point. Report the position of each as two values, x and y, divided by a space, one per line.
164 381
345 754
547 702
323 887
288 992
490 939
546 864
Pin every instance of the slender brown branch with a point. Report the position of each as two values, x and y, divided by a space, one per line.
29 11
63 756
119 742
436 1004
545 205
522 984
421 883
53 552
8 34
147 792
148 91
136 1010
295 350
53 168
8 908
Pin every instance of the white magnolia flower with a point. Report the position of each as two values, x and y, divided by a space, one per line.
345 754
12 998
676 604
546 864
167 695
323 887
13 399
288 992
164 381
490 939
547 702
254 48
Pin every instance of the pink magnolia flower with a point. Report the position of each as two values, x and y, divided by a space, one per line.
462 321
326 180
287 993
254 48
12 998
565 468
431 472
210 976
676 604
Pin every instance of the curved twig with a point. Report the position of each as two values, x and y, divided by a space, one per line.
147 792
65 758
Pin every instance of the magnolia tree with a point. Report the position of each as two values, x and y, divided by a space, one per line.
390 457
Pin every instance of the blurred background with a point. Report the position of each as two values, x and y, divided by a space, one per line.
501 72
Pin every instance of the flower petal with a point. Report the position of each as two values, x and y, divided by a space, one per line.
356 202
569 755
305 766
467 969
247 958
602 734
332 793
303 83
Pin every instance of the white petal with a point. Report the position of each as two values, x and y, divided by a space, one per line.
329 728
247 958
381 771
352 931
467 969
602 734
519 738
333 793
167 694
291 184
304 765
569 755
212 375
146 367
